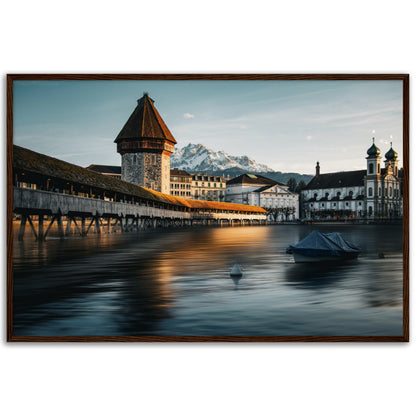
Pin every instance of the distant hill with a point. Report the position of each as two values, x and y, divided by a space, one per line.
197 158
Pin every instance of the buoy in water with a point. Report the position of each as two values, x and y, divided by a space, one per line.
236 271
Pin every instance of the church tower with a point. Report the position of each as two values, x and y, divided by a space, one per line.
372 179
146 144
391 160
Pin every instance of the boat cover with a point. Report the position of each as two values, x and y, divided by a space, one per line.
344 244
319 244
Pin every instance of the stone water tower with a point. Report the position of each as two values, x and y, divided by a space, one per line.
146 144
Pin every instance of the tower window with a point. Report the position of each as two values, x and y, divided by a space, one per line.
134 159
370 191
378 168
371 168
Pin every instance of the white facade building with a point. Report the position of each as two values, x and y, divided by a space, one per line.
374 192
280 203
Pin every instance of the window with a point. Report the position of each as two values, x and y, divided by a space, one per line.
390 191
335 204
346 203
370 191
378 168
134 159
370 168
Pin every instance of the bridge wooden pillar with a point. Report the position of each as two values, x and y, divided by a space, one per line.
41 235
61 232
22 228
68 225
97 225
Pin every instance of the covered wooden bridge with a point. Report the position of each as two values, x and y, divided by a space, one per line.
48 191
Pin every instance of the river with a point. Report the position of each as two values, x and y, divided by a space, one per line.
177 282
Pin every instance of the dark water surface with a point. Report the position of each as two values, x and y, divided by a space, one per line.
177 282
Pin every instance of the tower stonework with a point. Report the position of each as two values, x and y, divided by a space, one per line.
146 144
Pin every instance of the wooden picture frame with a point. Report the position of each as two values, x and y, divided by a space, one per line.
404 78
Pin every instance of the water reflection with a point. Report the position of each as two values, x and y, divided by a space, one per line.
317 275
178 282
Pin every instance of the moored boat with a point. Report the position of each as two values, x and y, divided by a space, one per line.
319 247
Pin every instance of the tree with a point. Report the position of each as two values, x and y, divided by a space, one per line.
301 186
291 183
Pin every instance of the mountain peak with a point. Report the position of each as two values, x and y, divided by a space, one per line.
199 158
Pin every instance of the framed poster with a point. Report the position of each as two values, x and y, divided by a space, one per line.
208 208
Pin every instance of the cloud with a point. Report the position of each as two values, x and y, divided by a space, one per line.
188 115
308 137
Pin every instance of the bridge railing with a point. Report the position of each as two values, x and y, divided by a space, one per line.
26 199
54 203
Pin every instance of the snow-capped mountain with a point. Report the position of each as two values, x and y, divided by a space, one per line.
198 158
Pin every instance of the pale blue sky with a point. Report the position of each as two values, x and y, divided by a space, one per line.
287 125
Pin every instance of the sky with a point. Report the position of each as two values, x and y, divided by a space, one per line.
287 125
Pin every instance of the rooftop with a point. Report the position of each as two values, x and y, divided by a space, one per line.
250 179
145 122
337 180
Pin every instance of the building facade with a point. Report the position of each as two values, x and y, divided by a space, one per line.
146 144
180 183
372 193
280 203
208 187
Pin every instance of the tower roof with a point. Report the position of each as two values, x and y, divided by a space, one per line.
391 154
145 122
373 150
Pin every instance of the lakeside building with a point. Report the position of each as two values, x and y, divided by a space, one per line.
372 193
180 183
275 197
208 187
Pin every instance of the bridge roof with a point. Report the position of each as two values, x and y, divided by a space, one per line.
32 162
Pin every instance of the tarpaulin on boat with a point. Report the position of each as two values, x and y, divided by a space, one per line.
319 244
345 245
